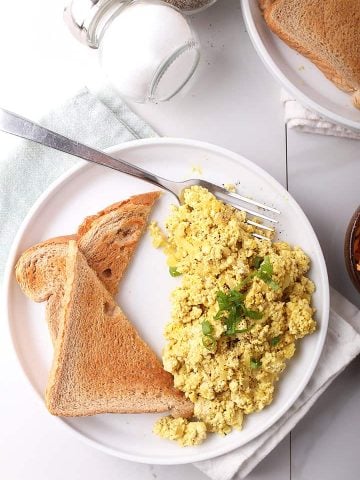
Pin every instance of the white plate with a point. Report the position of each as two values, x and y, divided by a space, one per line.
297 74
145 289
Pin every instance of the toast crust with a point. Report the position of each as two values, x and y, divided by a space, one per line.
35 277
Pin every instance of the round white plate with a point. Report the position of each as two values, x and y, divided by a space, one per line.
144 292
297 74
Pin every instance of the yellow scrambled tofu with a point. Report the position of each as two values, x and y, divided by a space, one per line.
241 306
185 432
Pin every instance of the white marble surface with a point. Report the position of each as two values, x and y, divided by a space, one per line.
235 103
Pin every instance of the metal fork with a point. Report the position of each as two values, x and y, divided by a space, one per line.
22 127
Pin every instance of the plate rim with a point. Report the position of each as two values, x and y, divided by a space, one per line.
52 188
281 78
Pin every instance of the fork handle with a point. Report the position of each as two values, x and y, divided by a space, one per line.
22 127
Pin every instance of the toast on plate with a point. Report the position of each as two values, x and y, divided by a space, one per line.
325 31
109 238
101 365
108 241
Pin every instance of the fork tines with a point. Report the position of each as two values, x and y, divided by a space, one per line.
252 202
239 202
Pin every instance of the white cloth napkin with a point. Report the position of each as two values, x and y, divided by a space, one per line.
304 120
341 346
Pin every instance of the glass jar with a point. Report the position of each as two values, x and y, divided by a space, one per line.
147 48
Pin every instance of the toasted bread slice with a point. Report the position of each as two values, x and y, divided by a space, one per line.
109 238
101 365
108 241
325 31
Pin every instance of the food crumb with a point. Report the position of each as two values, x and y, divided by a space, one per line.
197 169
185 432
157 235
230 187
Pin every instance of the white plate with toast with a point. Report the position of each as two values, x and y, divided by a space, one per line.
301 78
145 289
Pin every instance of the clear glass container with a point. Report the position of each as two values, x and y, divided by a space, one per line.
147 48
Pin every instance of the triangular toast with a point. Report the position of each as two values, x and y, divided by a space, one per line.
100 363
108 241
109 238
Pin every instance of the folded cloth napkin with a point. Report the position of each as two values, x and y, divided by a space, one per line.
304 120
104 120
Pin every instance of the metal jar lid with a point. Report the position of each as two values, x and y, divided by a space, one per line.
85 18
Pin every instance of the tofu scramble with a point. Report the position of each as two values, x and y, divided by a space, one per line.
241 306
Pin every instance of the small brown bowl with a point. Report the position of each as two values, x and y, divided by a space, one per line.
353 236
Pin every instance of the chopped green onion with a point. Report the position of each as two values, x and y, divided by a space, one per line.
245 330
227 300
253 314
265 266
273 285
230 325
246 280
268 280
255 363
265 271
232 310
274 341
173 272
207 328
257 262
209 342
